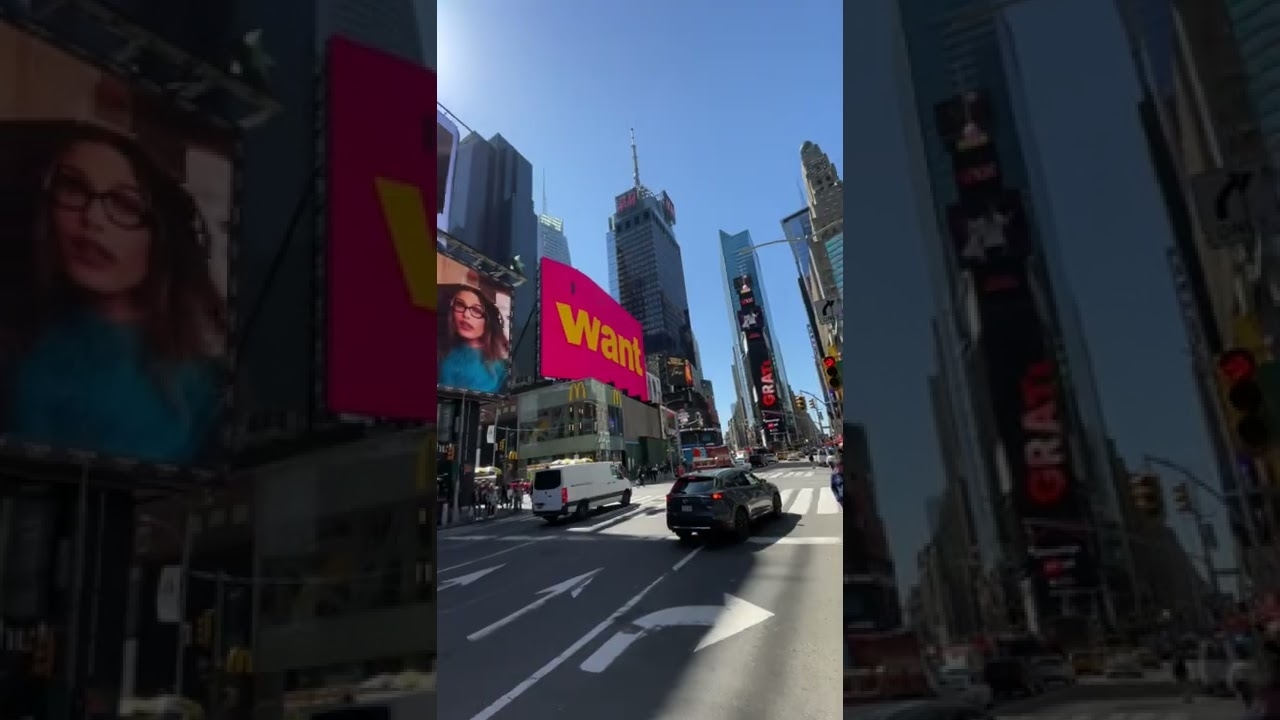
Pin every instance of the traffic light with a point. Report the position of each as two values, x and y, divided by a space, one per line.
802 404
831 367
204 629
1182 498
1245 398
1148 496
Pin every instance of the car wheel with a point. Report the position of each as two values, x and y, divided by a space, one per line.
626 498
580 513
741 526
777 505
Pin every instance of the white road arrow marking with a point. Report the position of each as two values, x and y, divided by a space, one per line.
467 579
725 621
573 586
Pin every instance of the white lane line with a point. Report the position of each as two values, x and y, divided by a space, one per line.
615 520
827 504
582 642
804 498
486 557
792 540
785 497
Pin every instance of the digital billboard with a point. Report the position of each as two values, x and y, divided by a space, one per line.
116 215
668 209
585 333
382 294
625 202
679 374
474 332
990 229
1027 403
964 121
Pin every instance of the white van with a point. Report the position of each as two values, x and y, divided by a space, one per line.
578 488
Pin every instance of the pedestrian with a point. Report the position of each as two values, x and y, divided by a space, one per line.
1180 677
837 482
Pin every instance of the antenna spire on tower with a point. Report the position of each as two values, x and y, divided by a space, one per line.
544 191
635 160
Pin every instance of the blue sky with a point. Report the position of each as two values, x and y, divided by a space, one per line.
720 102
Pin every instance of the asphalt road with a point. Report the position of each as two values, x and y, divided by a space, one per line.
613 617
1166 707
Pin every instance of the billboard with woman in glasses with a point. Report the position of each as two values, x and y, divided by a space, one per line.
474 329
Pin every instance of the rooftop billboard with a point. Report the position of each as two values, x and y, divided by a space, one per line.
585 333
382 294
474 331
116 214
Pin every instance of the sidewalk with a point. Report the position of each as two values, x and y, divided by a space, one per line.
465 518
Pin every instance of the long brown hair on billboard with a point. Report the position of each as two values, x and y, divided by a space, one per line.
116 212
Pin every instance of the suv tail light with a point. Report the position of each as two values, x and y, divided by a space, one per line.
564 496
716 496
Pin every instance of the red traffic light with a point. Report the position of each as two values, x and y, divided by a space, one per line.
828 362
1237 365
1054 568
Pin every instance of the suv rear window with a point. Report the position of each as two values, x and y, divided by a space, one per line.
546 480
693 485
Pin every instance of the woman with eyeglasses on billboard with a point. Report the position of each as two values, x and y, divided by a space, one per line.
474 350
121 349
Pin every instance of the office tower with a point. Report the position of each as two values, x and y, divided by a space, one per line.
825 191
552 242
738 260
493 214
650 268
870 580
798 228
611 251
974 175
709 392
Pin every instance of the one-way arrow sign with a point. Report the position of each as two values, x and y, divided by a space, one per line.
725 621
467 579
1233 205
574 586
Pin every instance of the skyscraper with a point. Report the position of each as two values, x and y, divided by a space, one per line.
970 164
738 261
493 213
798 228
552 242
650 268
825 191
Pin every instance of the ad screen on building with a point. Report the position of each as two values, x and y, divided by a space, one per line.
679 374
993 228
585 333
474 330
1027 403
382 293
115 218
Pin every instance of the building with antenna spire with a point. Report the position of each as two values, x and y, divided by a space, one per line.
646 275
552 242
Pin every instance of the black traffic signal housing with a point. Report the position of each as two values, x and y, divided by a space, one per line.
1245 399
1182 498
1148 495
831 367
801 404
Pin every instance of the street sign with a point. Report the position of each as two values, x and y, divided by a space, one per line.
1233 206
725 621
831 310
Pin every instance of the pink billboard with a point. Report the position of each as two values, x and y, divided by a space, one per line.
381 269
586 333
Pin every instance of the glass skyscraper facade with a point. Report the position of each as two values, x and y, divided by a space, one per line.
650 271
797 228
738 259
552 242
1256 24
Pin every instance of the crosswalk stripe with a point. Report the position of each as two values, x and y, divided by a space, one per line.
784 496
803 499
827 504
